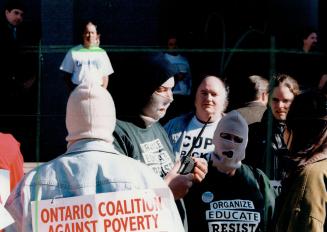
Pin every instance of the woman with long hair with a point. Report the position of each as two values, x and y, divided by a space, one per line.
302 204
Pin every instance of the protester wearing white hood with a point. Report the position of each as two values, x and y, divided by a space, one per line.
91 165
233 196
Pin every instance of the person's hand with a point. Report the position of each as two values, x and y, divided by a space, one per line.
200 169
179 184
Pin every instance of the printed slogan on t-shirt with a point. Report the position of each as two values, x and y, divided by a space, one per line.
232 216
156 157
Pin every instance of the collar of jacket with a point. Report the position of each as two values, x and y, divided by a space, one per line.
85 145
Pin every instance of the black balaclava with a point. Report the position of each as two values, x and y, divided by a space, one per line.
150 73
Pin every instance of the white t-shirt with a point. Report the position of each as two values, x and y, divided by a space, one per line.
204 144
87 62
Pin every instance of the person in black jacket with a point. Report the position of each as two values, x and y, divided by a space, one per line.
19 66
266 138
19 71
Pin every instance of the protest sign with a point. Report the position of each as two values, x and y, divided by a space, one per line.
139 210
5 218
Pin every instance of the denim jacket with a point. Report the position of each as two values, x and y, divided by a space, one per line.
88 167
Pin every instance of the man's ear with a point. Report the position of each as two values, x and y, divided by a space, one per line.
264 97
98 40
225 104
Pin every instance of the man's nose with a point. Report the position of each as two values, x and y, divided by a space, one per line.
209 97
281 104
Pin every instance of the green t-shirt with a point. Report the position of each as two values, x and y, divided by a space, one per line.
148 145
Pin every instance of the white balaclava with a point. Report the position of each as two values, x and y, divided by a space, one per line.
228 154
90 113
157 102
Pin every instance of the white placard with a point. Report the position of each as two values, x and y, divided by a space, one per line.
5 218
140 210
4 185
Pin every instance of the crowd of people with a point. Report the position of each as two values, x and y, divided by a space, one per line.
260 167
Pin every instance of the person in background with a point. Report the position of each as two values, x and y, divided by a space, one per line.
210 102
19 68
302 203
266 138
309 40
11 158
256 100
87 60
140 135
19 72
91 165
309 64
233 196
183 78
313 68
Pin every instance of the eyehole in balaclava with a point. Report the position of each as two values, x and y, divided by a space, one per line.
230 140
